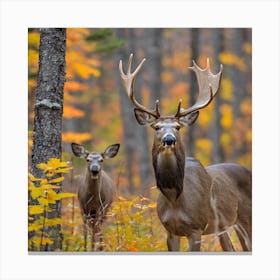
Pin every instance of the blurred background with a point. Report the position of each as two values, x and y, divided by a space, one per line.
97 112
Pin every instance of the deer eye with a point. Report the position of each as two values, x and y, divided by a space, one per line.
100 160
156 127
177 127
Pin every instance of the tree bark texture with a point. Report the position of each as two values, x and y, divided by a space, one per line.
49 98
49 109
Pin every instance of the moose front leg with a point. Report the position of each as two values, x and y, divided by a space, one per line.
173 242
194 241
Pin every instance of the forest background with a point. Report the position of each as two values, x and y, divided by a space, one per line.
97 113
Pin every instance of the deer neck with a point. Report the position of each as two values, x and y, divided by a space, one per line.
93 184
169 168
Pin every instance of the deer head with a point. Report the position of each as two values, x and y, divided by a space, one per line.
94 159
167 139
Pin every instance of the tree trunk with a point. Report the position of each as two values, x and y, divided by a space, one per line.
216 129
193 89
235 46
129 122
49 108
149 42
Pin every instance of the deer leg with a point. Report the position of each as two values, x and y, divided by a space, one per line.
85 237
100 238
194 240
173 242
226 242
243 237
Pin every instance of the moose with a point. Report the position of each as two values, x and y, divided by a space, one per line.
96 192
193 200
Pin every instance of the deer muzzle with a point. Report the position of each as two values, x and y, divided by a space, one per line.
94 171
168 140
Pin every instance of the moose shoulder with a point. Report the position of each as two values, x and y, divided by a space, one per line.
193 200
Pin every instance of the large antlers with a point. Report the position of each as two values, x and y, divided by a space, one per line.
128 80
208 85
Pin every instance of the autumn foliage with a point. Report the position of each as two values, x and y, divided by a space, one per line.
94 115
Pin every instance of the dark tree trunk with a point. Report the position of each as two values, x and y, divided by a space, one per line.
149 41
235 45
49 108
216 129
193 89
129 122
155 54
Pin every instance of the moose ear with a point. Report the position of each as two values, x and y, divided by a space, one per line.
143 117
111 151
189 120
79 150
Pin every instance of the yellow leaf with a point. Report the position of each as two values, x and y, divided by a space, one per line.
52 196
36 192
43 201
33 227
57 180
226 119
36 209
230 58
33 39
72 112
70 137
227 88
55 163
42 166
152 205
52 222
74 86
46 241
65 195
204 144
64 170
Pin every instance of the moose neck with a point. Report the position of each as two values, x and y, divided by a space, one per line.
169 168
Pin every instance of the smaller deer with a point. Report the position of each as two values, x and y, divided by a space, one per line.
96 192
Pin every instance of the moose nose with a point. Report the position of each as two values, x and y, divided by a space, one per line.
169 140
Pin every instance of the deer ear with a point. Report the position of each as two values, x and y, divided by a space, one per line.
111 151
189 120
143 117
79 150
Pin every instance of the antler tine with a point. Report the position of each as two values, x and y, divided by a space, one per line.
128 80
178 109
208 85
